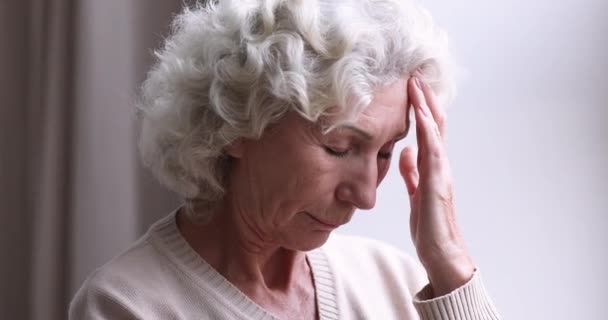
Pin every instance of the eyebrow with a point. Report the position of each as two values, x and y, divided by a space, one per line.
368 136
358 131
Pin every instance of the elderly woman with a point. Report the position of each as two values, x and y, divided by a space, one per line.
275 120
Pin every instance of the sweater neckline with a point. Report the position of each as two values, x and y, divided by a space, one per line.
166 235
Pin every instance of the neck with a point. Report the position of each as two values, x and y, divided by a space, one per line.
252 261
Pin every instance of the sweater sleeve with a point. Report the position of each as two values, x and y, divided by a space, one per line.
471 301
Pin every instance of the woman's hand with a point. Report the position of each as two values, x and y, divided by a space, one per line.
426 171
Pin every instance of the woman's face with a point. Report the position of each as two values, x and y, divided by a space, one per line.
295 185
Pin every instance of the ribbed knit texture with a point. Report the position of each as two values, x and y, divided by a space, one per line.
467 302
324 285
162 277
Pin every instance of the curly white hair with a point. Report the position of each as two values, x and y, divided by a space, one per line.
230 68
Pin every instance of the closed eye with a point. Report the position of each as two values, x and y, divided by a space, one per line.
336 152
384 155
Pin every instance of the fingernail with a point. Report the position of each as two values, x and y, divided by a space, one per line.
417 81
422 84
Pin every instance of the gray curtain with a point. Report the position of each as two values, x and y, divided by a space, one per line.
72 192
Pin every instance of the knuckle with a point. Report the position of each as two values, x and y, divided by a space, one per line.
436 153
441 120
437 131
446 196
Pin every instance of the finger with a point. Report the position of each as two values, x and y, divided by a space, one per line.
437 111
409 172
427 132
409 169
433 166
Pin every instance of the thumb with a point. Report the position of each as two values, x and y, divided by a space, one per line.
408 168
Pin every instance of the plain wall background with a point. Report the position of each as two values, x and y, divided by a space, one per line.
528 144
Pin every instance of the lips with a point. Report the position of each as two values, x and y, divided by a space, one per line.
323 223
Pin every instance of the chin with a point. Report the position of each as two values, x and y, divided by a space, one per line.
311 241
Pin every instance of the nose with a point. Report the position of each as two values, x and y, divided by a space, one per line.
359 187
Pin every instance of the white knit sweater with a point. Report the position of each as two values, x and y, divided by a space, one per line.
161 277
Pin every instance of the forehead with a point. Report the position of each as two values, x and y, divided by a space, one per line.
387 113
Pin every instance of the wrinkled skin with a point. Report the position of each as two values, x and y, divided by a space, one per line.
290 189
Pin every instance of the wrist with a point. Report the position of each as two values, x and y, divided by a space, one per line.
447 277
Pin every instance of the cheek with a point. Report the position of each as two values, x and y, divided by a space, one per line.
311 174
